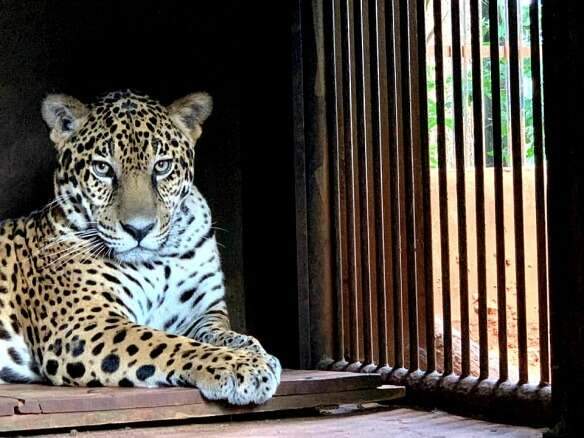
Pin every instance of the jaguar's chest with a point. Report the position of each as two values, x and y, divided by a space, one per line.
170 293
152 292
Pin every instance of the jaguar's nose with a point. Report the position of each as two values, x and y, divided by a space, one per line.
138 229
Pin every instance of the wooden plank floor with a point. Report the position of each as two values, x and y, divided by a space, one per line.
392 422
40 407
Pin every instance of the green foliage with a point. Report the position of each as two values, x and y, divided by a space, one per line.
526 95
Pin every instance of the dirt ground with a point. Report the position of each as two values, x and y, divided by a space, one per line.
491 256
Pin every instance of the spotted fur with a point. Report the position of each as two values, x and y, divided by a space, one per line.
118 281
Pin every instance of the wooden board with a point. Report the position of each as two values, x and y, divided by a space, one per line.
7 406
371 423
37 407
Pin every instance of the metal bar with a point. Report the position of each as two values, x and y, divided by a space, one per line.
517 160
407 177
380 102
336 128
499 201
540 204
443 189
366 174
396 181
423 209
477 94
415 163
318 193
304 344
351 171
460 187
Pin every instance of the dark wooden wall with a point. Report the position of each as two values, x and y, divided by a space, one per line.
564 93
168 49
269 207
86 48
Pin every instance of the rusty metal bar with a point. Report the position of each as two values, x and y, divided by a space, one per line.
443 189
406 160
424 212
298 117
381 145
479 162
517 160
397 180
366 174
540 204
417 242
319 199
393 288
499 201
460 187
337 140
416 121
351 172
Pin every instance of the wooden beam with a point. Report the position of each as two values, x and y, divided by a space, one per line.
38 407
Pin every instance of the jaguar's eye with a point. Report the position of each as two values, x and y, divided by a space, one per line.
102 169
162 167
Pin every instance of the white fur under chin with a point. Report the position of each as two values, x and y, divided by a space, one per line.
135 255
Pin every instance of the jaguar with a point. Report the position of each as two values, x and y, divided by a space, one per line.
118 280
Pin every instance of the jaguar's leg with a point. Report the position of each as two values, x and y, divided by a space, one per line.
213 327
116 352
16 363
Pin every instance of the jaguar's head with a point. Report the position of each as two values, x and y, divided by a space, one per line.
125 165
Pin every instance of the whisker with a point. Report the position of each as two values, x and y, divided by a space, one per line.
75 234
70 249
69 253
99 248
67 238
101 252
90 252
55 201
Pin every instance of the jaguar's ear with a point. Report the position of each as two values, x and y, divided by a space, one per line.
64 115
190 112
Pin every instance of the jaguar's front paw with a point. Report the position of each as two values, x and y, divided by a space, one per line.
244 377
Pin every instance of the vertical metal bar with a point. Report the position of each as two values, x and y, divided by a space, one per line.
499 201
415 163
382 188
318 194
351 170
366 183
397 182
408 77
443 188
337 132
540 205
517 160
477 94
422 189
304 345
460 186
